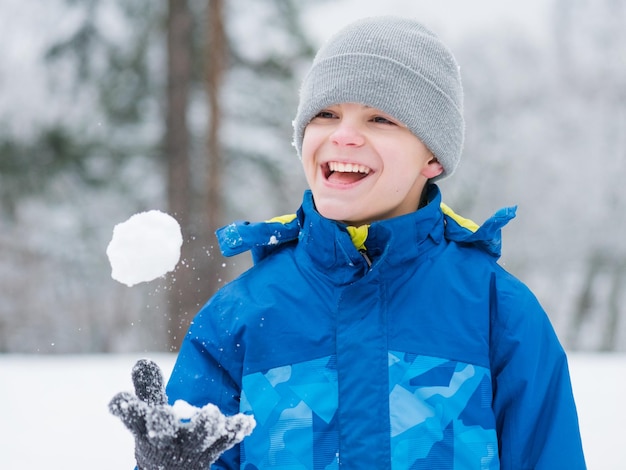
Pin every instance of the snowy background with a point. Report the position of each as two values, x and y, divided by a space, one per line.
55 410
546 129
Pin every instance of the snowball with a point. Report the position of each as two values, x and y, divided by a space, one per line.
145 247
183 410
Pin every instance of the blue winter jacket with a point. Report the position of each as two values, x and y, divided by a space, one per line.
432 357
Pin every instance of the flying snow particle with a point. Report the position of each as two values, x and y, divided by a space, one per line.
144 247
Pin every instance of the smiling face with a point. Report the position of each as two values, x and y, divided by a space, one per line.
362 165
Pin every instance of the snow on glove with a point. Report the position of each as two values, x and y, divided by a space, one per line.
166 440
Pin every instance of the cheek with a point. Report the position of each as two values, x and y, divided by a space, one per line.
307 158
308 164
310 147
402 174
308 144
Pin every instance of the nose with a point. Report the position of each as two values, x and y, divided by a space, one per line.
347 134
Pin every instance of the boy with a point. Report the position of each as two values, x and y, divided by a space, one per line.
376 329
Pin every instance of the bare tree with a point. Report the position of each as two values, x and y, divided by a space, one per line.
179 70
199 210
215 66
590 49
216 52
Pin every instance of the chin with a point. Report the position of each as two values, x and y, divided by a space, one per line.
343 217
338 208
333 212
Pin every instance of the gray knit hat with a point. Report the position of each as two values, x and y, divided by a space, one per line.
398 66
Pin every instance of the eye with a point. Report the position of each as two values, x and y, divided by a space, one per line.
325 115
383 120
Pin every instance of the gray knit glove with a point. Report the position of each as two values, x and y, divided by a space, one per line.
165 442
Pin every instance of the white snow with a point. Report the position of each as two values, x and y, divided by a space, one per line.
144 247
54 410
183 410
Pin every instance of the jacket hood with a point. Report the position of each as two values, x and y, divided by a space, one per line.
434 222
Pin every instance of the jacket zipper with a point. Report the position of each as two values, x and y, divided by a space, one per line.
367 258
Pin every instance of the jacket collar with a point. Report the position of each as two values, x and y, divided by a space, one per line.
390 241
329 245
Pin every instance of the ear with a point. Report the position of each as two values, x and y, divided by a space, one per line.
433 168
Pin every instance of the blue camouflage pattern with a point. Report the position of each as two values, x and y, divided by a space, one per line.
433 357
439 409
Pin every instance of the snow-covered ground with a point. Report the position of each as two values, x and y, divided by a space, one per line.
54 410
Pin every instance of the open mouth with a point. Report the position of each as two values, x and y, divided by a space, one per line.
345 173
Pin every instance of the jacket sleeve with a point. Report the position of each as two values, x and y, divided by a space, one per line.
536 416
207 369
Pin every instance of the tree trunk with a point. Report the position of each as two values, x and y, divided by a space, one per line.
179 65
216 51
197 277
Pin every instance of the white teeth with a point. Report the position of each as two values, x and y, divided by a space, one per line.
348 167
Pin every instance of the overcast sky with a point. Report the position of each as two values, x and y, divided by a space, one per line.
25 27
449 18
